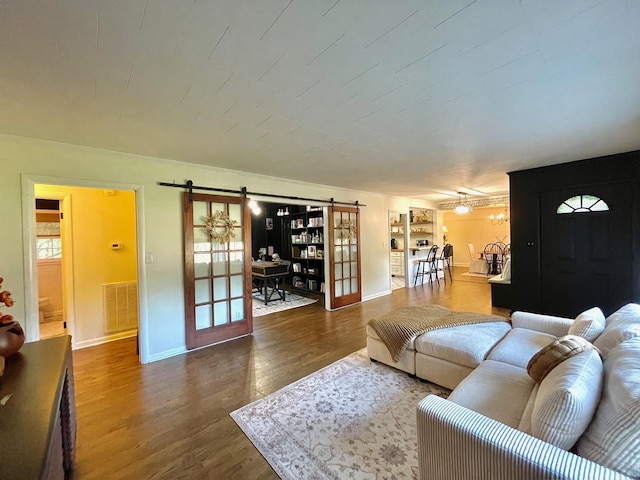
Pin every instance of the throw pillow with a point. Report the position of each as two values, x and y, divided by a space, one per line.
567 400
613 438
622 325
589 324
554 354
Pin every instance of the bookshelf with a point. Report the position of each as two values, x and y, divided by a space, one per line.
307 250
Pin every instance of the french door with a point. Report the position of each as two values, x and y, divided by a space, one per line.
344 261
217 268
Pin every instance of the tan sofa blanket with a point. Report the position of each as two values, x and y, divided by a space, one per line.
398 327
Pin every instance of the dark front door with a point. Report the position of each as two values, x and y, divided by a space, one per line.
586 249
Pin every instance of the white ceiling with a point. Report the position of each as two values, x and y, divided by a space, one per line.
413 98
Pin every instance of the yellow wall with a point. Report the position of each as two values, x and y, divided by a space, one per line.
97 220
475 228
50 284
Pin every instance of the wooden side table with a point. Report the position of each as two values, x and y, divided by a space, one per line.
38 421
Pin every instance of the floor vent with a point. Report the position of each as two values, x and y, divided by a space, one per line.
120 302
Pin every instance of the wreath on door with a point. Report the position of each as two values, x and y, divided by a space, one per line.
347 230
220 227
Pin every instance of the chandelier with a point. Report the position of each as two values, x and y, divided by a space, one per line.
463 206
499 219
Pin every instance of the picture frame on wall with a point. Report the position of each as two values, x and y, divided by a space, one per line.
269 223
311 251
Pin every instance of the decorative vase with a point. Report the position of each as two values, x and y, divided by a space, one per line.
11 338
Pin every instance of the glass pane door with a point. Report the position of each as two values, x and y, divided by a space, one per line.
217 273
345 256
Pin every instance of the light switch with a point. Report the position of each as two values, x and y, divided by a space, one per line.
148 257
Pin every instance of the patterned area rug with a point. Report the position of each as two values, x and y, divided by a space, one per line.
352 419
277 305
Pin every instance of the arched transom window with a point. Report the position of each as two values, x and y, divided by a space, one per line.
582 203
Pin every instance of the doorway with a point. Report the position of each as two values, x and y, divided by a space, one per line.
586 249
93 287
50 257
397 242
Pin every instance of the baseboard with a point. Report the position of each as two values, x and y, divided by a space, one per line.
180 350
167 354
106 339
377 295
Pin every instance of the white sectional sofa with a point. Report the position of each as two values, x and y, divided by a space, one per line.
577 418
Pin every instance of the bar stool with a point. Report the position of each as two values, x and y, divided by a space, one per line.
445 261
429 262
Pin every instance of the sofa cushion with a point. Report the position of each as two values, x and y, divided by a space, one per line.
621 325
525 421
554 354
567 399
497 390
613 437
589 324
465 345
519 346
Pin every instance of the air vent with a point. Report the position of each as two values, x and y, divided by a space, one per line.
120 302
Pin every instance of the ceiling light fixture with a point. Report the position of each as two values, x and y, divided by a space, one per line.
463 206
255 208
283 213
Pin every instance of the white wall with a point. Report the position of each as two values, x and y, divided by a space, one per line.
162 222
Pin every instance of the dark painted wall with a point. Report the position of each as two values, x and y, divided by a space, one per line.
526 190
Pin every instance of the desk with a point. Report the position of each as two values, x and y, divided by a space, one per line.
269 273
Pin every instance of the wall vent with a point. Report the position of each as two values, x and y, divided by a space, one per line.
120 302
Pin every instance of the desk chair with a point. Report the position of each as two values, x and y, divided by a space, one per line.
429 262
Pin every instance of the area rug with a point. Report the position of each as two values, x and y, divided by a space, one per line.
277 305
352 419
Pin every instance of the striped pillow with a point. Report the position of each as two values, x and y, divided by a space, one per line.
588 325
567 399
613 438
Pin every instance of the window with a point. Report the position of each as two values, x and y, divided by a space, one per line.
581 204
47 248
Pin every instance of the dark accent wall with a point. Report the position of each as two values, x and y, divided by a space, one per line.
279 237
527 188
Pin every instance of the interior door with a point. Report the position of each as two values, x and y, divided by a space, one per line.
217 268
586 254
344 259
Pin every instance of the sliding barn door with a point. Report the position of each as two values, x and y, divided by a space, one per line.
344 261
217 268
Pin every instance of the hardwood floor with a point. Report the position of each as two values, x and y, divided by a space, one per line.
170 419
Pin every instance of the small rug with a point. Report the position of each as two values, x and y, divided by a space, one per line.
352 419
277 305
